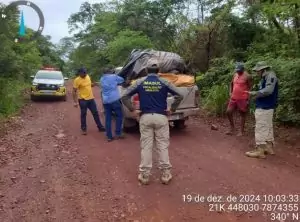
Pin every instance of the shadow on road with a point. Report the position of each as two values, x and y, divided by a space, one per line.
47 100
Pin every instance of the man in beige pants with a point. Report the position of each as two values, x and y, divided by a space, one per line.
154 125
266 101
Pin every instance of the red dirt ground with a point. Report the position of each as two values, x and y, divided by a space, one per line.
50 172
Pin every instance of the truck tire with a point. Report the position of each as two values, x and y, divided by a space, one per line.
179 124
130 125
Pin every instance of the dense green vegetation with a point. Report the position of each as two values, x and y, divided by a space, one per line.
211 35
18 61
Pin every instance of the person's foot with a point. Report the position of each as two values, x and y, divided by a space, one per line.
83 132
166 176
269 148
258 152
240 134
144 178
101 129
119 137
110 139
230 132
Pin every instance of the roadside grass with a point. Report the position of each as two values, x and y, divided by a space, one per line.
215 101
13 97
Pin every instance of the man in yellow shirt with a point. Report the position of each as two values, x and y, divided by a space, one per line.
83 95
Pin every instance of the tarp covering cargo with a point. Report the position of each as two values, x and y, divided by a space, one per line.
179 80
139 60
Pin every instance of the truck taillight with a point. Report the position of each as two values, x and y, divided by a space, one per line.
197 97
136 98
136 101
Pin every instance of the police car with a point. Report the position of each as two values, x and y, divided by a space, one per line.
48 82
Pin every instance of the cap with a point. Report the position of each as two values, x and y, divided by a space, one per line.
239 67
260 65
82 71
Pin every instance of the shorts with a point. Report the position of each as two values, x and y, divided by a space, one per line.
241 105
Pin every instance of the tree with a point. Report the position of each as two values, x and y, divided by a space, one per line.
119 49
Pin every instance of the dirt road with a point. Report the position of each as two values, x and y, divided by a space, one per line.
50 172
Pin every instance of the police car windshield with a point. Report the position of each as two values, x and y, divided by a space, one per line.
49 75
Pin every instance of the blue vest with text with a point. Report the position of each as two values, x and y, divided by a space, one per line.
153 95
270 101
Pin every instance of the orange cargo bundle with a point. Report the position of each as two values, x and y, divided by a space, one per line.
179 80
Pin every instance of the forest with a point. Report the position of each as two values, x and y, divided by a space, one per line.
211 35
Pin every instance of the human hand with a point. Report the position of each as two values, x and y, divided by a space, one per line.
251 93
136 114
75 104
169 112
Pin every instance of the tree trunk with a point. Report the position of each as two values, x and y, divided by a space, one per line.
297 22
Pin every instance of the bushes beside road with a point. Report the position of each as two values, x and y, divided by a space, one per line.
214 86
12 96
18 61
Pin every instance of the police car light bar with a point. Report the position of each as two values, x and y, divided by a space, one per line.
50 68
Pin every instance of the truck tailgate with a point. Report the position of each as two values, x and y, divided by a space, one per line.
188 97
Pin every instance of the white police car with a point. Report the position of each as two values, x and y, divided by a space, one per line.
48 82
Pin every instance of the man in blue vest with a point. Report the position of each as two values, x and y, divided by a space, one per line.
154 124
266 101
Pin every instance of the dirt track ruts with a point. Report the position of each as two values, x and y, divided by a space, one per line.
50 172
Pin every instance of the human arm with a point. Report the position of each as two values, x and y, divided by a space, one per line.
126 98
74 92
230 87
95 84
119 80
178 97
249 82
271 81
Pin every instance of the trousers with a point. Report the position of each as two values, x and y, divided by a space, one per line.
264 126
91 105
109 108
154 129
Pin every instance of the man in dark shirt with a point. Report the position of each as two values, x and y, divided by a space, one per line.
154 125
265 101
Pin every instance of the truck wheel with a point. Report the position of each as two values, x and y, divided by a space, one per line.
130 125
179 124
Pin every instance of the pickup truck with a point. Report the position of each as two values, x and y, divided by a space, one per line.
189 106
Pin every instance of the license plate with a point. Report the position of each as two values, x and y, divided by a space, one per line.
47 92
176 117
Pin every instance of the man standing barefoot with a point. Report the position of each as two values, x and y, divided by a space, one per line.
239 98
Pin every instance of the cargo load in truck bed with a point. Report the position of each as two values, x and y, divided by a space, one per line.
179 80
139 60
